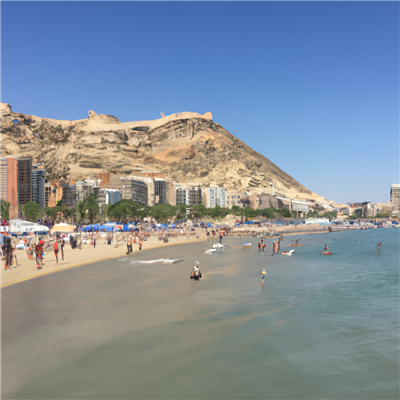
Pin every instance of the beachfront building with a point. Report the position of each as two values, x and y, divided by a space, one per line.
82 190
360 208
284 202
134 190
300 206
16 182
191 195
395 196
215 197
232 198
47 193
38 185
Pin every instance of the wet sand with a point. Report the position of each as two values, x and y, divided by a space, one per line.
76 257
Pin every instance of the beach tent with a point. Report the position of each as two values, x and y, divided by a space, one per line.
21 226
62 228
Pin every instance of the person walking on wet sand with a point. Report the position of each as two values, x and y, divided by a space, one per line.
55 246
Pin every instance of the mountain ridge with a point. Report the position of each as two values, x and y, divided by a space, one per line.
185 147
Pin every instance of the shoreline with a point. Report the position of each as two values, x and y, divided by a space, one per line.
25 271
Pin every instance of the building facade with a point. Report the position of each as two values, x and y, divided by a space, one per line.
134 190
16 182
232 198
300 206
395 196
189 195
38 185
215 197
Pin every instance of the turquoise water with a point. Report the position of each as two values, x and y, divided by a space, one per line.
320 327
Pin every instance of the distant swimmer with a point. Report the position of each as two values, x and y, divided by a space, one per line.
263 274
378 249
325 250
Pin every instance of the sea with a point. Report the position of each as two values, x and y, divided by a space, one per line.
320 327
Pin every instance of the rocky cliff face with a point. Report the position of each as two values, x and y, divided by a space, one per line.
186 147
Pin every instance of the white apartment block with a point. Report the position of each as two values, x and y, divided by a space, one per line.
215 197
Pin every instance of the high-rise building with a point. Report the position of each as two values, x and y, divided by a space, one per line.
215 197
38 182
395 196
47 193
134 190
190 195
160 191
16 182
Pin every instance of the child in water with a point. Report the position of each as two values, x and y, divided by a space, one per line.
263 274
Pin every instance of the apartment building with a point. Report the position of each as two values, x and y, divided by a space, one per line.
38 185
300 206
232 198
16 182
395 196
134 190
189 195
215 197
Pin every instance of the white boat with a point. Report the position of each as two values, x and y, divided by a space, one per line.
288 253
220 246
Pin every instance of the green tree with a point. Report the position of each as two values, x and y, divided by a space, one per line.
91 206
65 211
180 211
285 213
124 209
51 212
31 211
5 209
81 209
162 212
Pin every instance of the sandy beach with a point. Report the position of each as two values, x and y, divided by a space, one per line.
26 268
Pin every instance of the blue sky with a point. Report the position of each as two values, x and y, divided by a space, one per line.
313 86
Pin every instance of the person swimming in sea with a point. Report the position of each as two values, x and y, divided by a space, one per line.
378 248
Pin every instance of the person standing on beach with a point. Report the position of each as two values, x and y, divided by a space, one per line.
140 244
94 242
8 254
56 250
62 249
39 252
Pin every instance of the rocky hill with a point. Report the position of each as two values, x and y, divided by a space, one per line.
186 147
